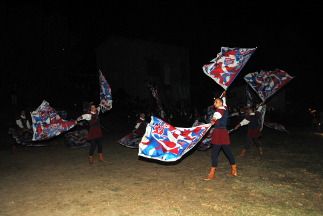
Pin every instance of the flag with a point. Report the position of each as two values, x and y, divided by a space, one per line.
105 94
227 65
209 113
47 123
266 83
76 139
25 138
249 98
132 140
156 96
262 116
167 143
275 126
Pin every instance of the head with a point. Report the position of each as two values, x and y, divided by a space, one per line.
93 108
23 113
251 109
218 102
142 115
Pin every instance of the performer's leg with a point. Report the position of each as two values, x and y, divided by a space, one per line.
228 153
258 145
99 142
93 144
243 153
215 153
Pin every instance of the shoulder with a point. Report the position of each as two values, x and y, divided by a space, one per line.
18 118
247 117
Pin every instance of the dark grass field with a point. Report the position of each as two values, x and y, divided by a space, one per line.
56 180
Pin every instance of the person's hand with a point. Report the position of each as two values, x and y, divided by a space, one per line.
212 121
134 130
237 127
224 92
79 118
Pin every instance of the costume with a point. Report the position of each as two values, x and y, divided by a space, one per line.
253 130
95 134
23 123
140 127
220 139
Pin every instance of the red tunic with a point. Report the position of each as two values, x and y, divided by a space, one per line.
255 132
94 132
142 127
220 136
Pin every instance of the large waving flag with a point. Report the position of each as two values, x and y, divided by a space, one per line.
266 83
262 116
167 143
25 138
249 97
77 138
132 140
105 94
155 95
227 65
275 126
47 123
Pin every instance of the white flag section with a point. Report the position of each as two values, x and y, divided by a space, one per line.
164 142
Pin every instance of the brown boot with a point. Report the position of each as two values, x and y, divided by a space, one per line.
91 160
233 171
101 158
260 150
14 149
26 148
212 174
243 153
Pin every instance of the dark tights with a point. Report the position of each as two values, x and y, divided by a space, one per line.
255 139
93 145
227 151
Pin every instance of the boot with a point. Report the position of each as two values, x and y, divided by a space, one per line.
243 153
91 160
26 148
212 174
101 158
14 149
260 150
233 171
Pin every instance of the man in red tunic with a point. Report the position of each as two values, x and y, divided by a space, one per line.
140 127
253 129
220 138
95 134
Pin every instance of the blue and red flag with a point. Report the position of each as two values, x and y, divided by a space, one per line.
227 65
132 140
262 116
164 142
25 138
266 83
105 94
76 139
249 97
47 123
155 95
209 113
275 126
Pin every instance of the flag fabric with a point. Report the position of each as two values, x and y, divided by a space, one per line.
25 138
262 116
105 94
227 65
209 113
76 139
249 98
47 123
155 95
132 140
266 83
275 126
167 143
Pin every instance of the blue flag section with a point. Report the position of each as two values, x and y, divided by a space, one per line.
227 65
105 94
164 142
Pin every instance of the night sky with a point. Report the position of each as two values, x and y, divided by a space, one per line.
286 36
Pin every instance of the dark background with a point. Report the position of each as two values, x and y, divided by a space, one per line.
286 36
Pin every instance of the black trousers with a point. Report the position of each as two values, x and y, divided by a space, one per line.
93 145
255 139
227 151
